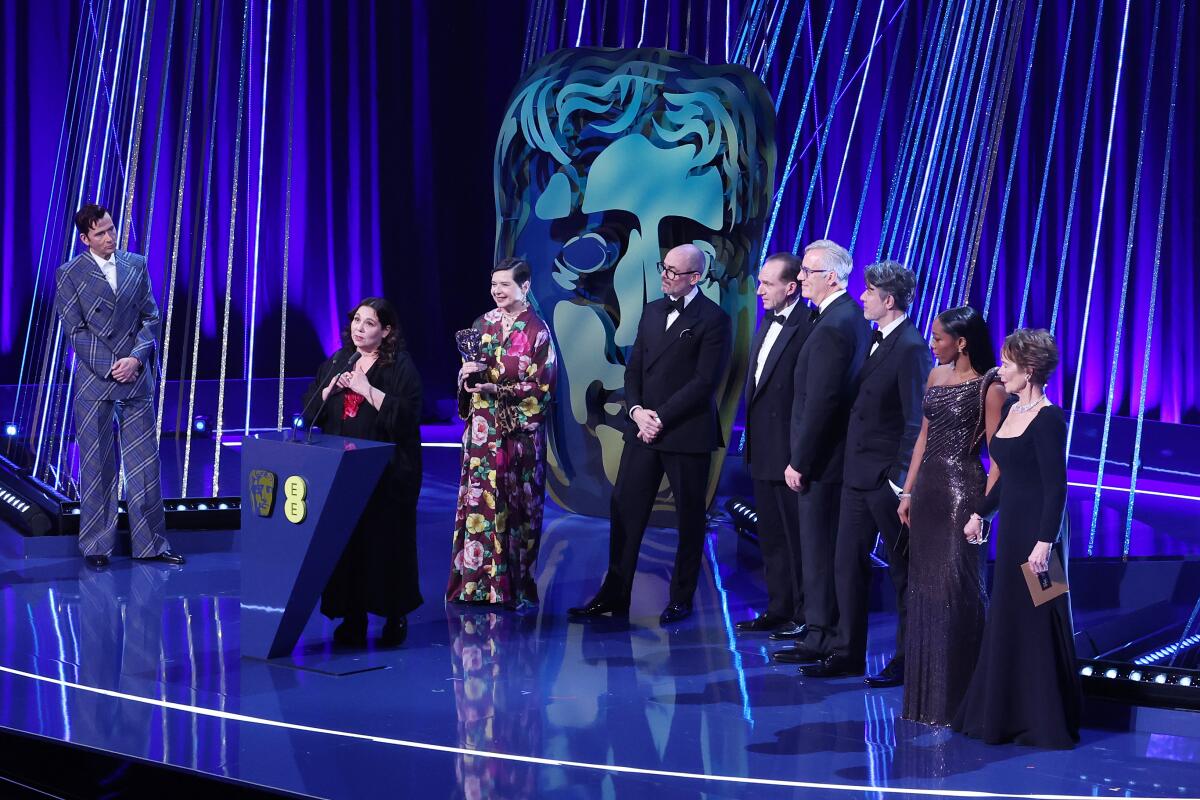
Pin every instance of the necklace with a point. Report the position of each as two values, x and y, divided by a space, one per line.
1021 408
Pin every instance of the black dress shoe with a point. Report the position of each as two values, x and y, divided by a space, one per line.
598 606
96 562
833 666
790 631
760 624
395 631
675 612
891 675
799 654
165 557
352 632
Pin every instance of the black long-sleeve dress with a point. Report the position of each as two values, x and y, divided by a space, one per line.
377 572
1025 688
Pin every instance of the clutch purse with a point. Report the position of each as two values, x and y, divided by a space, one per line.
1045 586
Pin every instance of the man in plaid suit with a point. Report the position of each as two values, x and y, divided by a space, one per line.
108 311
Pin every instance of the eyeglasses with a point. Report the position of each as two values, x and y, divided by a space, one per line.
806 272
671 273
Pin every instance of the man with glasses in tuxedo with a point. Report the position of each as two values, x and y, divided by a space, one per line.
675 369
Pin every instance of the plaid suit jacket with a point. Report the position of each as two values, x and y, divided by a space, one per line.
105 327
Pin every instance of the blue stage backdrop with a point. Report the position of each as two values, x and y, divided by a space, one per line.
1034 158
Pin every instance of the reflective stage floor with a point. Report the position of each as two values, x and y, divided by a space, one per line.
144 661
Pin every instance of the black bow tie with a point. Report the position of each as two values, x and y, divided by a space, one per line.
780 318
676 305
877 337
812 315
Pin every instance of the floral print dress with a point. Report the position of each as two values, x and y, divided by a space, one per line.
498 526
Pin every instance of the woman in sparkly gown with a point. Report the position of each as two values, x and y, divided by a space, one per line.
946 595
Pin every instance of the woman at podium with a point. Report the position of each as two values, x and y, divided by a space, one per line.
370 389
504 396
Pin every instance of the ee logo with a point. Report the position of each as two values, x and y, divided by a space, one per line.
295 492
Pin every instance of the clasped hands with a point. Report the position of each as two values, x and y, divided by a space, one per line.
649 424
470 368
125 370
354 380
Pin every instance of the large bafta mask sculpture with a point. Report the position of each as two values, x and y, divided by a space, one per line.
607 159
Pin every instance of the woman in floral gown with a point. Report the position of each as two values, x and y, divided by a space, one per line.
498 526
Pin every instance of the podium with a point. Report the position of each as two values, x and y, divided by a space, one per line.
300 503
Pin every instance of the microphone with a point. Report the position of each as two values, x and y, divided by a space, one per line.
353 359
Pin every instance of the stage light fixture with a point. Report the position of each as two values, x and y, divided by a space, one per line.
1160 678
1110 673
1136 675
200 424
1086 671
744 518
1186 680
298 422
11 429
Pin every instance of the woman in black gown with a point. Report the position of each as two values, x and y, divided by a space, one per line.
946 595
1025 688
379 398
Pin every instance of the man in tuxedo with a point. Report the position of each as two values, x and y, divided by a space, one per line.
768 409
823 385
885 421
108 311
675 367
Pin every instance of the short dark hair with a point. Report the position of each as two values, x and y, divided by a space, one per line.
89 217
519 266
388 318
1033 350
790 265
967 323
894 280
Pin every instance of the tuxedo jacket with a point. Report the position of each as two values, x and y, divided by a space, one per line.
768 401
885 419
105 326
677 371
823 386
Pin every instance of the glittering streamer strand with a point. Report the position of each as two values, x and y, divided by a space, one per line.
262 140
1119 328
202 260
184 140
825 137
796 136
1087 305
1016 149
233 210
287 213
135 132
787 71
1153 299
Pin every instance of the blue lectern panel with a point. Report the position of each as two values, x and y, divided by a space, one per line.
300 504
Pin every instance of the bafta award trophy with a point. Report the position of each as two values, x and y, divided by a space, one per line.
470 346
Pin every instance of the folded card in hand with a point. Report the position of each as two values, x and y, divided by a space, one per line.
1045 586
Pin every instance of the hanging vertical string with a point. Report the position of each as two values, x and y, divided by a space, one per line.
262 140
202 260
913 136
981 189
133 148
642 29
582 16
184 140
787 71
774 41
1153 304
168 48
1087 305
820 157
1087 101
1016 149
1118 329
883 105
233 209
287 213
112 96
787 170
862 87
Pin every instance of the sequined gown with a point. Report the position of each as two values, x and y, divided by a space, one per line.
946 595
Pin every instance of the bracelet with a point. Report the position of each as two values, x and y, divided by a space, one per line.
903 495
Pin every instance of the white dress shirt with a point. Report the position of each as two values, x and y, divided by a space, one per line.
109 268
825 303
687 298
773 329
886 331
